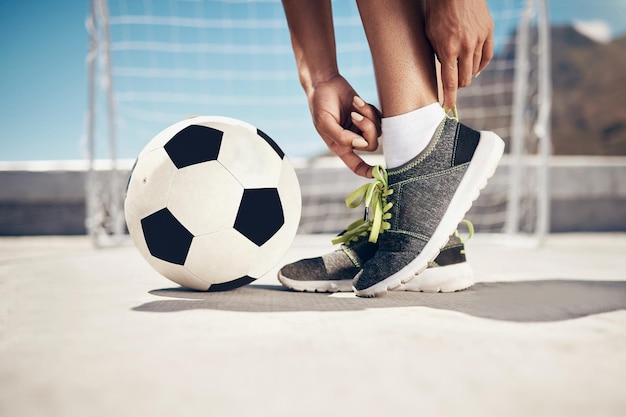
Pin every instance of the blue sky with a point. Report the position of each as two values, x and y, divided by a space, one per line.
44 76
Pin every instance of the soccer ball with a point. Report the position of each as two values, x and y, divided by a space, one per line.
212 203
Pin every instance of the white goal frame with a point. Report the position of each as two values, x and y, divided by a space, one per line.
104 208
522 187
536 10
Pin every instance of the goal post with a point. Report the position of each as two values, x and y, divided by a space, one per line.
531 121
513 97
104 219
155 62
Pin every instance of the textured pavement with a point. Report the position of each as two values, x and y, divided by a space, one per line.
87 332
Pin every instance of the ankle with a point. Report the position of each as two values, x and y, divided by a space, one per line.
405 136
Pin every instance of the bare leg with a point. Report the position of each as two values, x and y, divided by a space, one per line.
424 194
404 61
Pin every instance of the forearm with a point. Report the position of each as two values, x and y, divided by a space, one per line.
313 40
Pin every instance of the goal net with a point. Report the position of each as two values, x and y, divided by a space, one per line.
155 62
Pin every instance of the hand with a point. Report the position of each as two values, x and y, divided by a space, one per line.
345 122
461 34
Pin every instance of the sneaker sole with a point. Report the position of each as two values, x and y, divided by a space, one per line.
316 286
482 167
449 278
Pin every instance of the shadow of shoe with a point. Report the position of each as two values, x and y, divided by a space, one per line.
518 301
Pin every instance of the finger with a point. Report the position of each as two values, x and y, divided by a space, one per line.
478 53
341 142
355 163
487 52
439 84
449 81
368 111
465 66
332 131
369 132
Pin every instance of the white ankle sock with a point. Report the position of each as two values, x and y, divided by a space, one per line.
405 136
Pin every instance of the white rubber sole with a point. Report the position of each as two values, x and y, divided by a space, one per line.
316 286
448 278
482 166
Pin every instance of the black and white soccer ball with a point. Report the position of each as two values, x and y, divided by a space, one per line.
212 203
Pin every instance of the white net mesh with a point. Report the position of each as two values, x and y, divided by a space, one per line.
174 58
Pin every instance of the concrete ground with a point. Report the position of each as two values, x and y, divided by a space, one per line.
86 332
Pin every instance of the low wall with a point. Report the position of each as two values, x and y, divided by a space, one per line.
588 194
48 198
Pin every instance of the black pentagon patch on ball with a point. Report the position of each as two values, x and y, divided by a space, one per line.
271 142
193 145
166 237
260 214
231 285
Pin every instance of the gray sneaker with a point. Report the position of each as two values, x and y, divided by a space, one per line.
449 272
331 272
424 200
335 271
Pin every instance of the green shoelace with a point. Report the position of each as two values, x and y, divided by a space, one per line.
470 233
377 192
375 219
